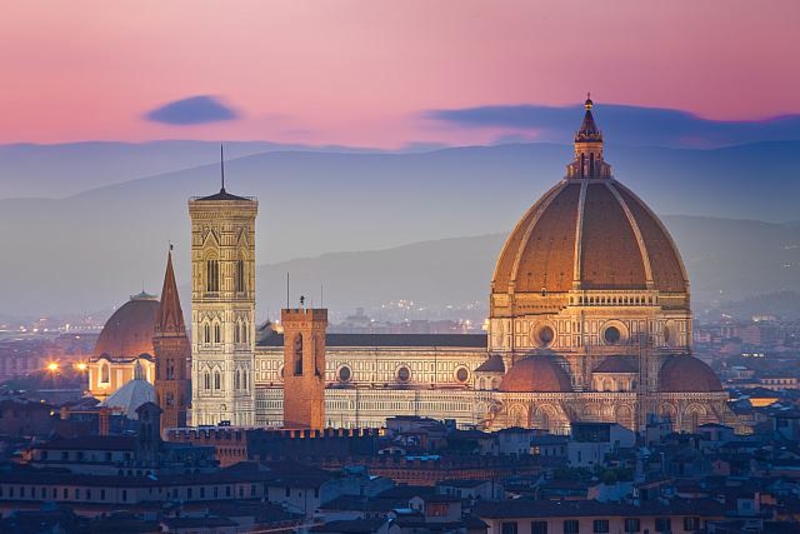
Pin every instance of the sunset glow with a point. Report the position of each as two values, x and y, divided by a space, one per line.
363 73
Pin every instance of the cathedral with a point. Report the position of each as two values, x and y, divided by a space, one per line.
589 320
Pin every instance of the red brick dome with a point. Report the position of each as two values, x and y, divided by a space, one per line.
593 234
536 374
129 331
687 374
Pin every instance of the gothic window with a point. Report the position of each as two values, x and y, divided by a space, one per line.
244 379
207 380
237 384
237 336
212 275
170 369
207 333
239 280
170 399
217 333
298 354
246 332
217 380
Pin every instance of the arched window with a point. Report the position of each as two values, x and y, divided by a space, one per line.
239 279
105 373
246 332
217 333
298 354
207 380
217 380
212 275
237 383
207 333
244 379
237 336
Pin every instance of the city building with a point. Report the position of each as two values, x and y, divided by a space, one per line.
590 321
125 342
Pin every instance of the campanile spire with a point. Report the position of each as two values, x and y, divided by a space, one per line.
172 354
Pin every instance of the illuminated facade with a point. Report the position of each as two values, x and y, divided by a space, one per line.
590 320
223 308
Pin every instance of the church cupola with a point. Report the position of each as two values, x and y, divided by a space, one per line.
589 161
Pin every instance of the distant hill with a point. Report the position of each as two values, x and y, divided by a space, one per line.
727 260
61 170
89 251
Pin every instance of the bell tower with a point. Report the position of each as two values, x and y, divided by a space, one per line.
171 347
304 367
223 307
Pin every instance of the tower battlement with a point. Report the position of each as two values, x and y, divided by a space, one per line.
304 314
304 362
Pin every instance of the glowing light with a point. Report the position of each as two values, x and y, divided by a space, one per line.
81 366
52 367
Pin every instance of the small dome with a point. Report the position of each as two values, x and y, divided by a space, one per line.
129 331
536 374
131 396
687 374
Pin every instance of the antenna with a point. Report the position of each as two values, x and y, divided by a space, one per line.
321 296
287 290
222 167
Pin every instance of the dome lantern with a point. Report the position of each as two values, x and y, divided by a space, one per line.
588 162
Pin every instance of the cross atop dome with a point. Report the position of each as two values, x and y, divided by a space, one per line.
588 162
589 132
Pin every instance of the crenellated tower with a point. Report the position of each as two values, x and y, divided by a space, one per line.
172 354
304 367
223 308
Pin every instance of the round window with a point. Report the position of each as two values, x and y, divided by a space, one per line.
403 374
546 335
345 374
612 335
462 374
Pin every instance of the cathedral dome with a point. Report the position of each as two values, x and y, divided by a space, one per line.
536 374
129 331
589 232
687 374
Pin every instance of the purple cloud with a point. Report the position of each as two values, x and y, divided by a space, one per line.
630 125
199 109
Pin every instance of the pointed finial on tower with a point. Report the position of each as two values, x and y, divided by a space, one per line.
588 104
169 318
222 167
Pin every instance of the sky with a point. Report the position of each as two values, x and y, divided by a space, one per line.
379 73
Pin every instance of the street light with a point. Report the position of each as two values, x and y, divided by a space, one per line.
52 367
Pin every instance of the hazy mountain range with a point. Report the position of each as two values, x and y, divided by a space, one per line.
90 250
